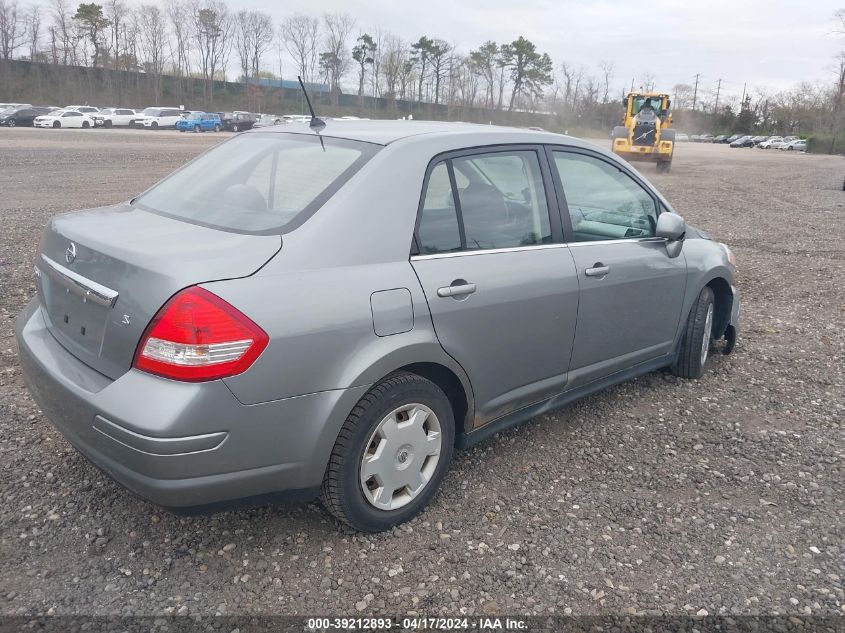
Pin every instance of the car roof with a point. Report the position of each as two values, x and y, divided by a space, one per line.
385 132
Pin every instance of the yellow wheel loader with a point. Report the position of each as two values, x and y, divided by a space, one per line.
645 134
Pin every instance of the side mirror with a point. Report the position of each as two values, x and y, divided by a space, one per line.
671 226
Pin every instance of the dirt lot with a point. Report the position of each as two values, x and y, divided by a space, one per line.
661 495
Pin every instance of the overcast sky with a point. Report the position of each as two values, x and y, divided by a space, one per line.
773 43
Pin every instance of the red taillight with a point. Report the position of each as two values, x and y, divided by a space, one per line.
198 336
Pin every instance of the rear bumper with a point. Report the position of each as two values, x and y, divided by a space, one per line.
663 151
180 444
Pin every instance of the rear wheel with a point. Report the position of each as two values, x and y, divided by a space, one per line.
12 123
86 125
697 336
154 125
107 123
196 129
234 127
57 124
217 128
391 454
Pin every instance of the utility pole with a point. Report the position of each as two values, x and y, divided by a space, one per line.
695 91
742 103
632 84
718 90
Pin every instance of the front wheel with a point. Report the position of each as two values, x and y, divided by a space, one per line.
391 454
216 128
107 123
697 336
57 124
85 125
234 127
154 125
196 129
664 166
12 123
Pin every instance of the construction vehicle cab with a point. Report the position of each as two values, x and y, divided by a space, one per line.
645 133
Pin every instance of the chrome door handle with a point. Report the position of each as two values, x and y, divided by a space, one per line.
456 291
597 271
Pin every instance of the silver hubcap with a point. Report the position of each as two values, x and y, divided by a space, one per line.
705 338
401 456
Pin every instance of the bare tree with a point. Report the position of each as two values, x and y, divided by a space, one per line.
116 13
243 43
153 40
336 59
12 28
181 24
64 32
212 31
606 68
394 54
33 32
299 34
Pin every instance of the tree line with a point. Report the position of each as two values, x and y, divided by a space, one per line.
205 40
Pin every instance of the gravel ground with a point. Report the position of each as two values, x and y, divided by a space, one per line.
719 496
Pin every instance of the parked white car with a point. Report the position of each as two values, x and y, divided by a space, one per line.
64 118
154 118
115 117
797 145
85 109
773 142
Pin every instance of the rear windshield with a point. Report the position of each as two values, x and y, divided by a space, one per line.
258 183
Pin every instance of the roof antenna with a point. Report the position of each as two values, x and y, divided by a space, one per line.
316 124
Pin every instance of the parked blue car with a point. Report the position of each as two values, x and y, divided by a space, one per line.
200 122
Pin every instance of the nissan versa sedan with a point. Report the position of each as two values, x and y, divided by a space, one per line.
333 312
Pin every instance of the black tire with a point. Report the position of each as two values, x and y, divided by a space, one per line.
197 129
154 125
107 123
181 129
341 492
57 124
620 131
234 127
664 166
12 123
132 124
691 359
217 128
85 125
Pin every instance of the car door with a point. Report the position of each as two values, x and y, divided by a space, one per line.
631 289
500 284
72 119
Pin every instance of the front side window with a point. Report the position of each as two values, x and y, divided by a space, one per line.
501 203
258 183
604 202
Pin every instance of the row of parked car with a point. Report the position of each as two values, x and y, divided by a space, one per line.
85 116
747 140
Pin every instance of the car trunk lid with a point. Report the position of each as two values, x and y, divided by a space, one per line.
103 274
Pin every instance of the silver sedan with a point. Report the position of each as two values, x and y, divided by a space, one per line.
333 311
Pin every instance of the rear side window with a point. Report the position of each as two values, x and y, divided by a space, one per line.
259 183
501 203
439 231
